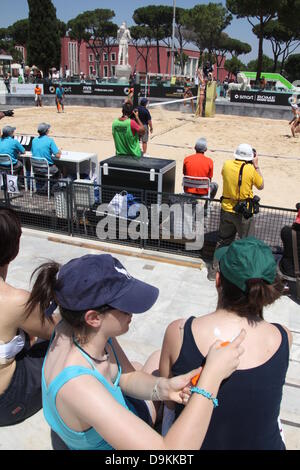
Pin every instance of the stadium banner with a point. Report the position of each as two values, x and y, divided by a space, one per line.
24 88
260 97
110 89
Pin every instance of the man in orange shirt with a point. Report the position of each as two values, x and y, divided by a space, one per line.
200 165
38 95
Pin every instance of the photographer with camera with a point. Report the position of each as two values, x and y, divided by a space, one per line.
238 203
126 131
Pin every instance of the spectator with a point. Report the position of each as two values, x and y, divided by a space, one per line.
200 165
45 147
208 69
286 264
12 147
188 94
238 204
126 131
20 79
38 95
20 363
93 398
7 80
146 120
225 86
250 399
59 98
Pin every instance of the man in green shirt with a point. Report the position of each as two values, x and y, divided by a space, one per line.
126 131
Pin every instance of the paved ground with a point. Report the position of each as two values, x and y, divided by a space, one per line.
146 331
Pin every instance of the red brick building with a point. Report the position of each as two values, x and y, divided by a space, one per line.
90 64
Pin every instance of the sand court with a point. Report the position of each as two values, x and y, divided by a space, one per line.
88 129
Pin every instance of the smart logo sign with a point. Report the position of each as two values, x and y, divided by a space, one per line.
278 99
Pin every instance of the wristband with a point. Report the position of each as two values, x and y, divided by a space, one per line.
155 394
206 394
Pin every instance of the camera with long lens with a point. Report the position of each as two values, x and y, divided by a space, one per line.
248 207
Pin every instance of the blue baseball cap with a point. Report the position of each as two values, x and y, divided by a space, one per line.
95 280
143 101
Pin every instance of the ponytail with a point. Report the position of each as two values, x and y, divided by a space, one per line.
42 293
249 304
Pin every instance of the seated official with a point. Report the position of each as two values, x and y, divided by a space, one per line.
45 147
12 147
126 131
198 165
286 264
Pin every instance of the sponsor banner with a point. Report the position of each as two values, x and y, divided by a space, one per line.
117 90
24 88
89 90
260 97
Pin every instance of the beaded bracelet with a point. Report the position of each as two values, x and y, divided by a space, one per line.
206 394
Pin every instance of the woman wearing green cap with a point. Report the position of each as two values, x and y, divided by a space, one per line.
93 398
250 398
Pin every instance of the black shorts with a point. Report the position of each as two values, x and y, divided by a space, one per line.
23 397
141 409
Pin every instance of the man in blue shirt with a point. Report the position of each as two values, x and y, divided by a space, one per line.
146 120
60 94
12 147
45 147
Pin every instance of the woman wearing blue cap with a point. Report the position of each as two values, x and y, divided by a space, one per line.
93 398
246 282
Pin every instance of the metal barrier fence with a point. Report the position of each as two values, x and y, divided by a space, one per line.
76 209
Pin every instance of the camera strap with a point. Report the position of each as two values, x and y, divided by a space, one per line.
240 179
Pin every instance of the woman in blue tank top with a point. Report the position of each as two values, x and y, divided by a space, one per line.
93 398
247 418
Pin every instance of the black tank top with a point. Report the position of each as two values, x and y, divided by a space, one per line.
249 400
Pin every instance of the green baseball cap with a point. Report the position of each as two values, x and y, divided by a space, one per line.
245 259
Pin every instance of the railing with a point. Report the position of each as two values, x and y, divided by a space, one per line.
78 209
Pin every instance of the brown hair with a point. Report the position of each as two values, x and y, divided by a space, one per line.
43 293
249 304
10 233
127 108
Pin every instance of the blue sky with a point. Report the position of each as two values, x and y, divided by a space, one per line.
12 11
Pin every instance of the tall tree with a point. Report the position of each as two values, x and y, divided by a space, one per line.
226 44
289 14
267 64
142 39
77 31
292 67
234 65
183 36
18 32
207 22
44 46
262 10
100 32
284 41
159 19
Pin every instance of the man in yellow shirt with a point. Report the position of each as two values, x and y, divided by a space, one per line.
239 177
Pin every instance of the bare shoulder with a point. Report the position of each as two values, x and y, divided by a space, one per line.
290 336
174 329
14 298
